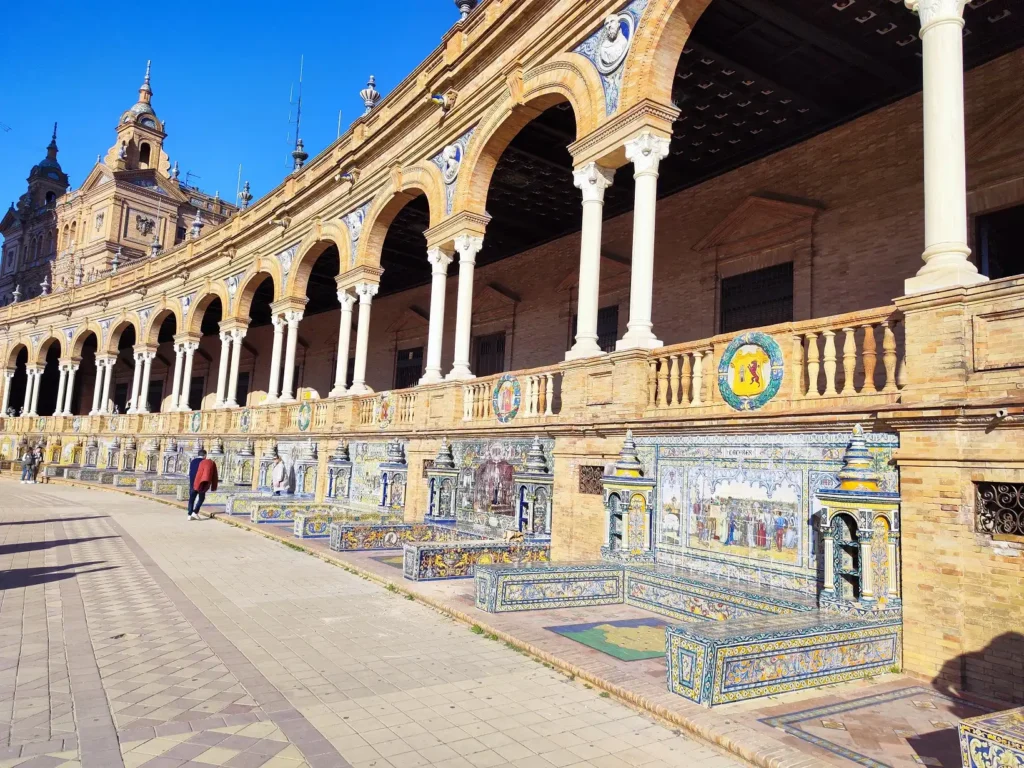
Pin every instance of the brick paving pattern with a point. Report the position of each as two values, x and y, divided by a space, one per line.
133 637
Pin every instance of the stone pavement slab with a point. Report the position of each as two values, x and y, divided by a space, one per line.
134 637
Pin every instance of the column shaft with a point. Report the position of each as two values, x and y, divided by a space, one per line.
61 386
366 292
147 368
97 387
176 381
186 378
236 357
344 340
222 372
645 152
108 382
273 392
8 377
133 403
439 261
37 379
287 385
70 391
468 247
593 180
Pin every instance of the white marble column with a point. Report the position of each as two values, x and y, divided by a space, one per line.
222 371
108 382
133 402
147 367
37 375
288 380
945 165
69 392
97 386
273 389
61 388
646 152
8 378
592 180
347 300
366 292
468 247
190 348
237 336
179 356
439 261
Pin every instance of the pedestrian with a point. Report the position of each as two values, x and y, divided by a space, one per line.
202 477
37 463
27 460
279 477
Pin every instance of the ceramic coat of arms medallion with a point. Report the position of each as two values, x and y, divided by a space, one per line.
750 372
508 396
195 422
384 410
245 420
76 425
305 417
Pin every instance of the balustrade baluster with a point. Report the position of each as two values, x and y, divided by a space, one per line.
549 403
698 377
812 365
542 394
849 360
709 376
673 380
889 356
829 363
663 382
534 396
870 357
799 387
652 383
685 380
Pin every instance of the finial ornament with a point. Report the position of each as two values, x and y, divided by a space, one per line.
370 95
16 295
44 286
175 171
935 11
245 196
465 8
197 224
299 155
115 263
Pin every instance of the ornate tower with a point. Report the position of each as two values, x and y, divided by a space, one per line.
140 136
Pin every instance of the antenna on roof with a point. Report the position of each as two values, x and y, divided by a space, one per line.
339 123
238 184
299 154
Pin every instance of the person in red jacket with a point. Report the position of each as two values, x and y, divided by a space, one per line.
204 479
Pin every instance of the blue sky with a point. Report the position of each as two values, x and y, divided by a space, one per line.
221 79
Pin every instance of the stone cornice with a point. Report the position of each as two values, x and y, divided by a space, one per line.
606 146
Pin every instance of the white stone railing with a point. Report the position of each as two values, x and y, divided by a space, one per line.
540 396
857 355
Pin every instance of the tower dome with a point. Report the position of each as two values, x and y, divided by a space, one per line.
142 111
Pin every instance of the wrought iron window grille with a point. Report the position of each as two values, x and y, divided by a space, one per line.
1000 510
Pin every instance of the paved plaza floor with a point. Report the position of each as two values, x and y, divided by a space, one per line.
130 636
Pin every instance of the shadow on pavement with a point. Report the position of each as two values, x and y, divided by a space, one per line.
29 577
32 546
53 520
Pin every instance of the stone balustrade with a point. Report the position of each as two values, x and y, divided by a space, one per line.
858 355
539 393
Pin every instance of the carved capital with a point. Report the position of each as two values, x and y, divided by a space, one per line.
293 316
279 323
366 292
347 301
468 247
593 180
439 260
937 11
646 152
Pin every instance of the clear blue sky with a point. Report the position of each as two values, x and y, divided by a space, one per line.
221 79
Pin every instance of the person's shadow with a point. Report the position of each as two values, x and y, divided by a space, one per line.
994 676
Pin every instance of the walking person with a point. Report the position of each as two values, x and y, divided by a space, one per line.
279 477
202 477
27 470
37 463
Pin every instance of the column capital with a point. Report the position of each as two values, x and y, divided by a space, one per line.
646 152
347 300
289 304
439 259
293 316
937 11
366 292
186 338
468 247
279 323
593 180
188 347
237 334
108 360
225 337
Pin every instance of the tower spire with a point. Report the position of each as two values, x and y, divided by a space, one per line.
145 92
299 154
51 150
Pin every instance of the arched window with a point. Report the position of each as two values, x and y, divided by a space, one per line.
50 197
144 155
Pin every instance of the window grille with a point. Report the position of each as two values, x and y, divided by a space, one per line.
1000 509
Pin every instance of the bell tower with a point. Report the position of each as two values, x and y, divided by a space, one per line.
140 136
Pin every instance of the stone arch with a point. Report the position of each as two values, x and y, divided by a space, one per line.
151 333
658 43
248 289
79 340
39 356
405 185
16 347
310 249
117 328
194 319
569 78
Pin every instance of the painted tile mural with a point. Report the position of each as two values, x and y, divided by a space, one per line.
366 474
485 496
747 502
